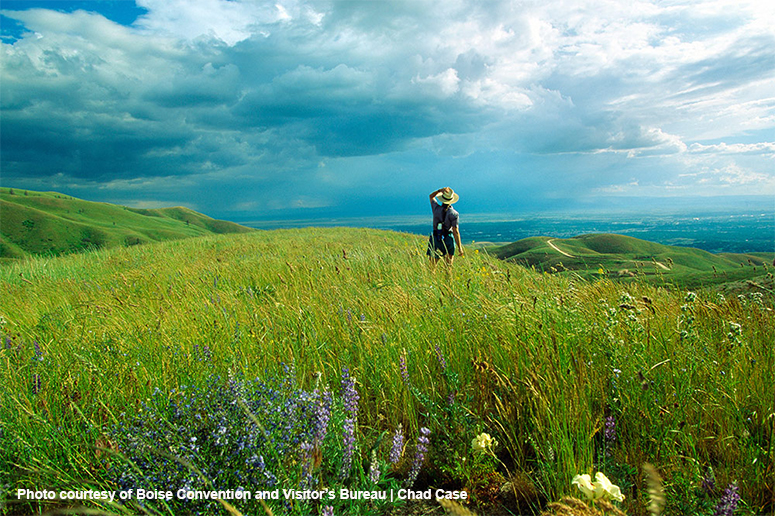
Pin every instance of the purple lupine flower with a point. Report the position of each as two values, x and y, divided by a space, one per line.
307 479
609 434
327 511
38 352
349 393
440 358
403 368
363 317
348 440
7 342
610 429
729 500
398 445
419 455
322 416
350 401
709 481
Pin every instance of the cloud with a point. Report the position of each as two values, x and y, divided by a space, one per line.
765 148
245 98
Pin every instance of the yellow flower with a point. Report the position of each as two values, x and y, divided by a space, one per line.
481 442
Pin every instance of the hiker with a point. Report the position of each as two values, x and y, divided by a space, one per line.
445 217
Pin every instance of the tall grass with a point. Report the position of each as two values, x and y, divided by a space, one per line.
540 362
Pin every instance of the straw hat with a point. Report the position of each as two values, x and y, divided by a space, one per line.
447 196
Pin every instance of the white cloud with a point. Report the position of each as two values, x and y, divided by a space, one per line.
767 148
443 84
221 91
228 21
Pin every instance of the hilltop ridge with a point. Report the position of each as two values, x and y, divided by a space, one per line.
34 223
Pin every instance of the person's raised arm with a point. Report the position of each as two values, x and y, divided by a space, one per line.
434 194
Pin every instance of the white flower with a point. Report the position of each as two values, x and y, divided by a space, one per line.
481 442
584 483
605 489
601 488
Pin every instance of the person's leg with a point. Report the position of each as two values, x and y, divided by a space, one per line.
449 249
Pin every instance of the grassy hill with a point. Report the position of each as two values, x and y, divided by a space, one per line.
210 361
50 223
627 258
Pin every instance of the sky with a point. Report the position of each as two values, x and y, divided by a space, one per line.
249 110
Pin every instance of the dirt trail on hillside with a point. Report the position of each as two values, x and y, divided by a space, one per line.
549 242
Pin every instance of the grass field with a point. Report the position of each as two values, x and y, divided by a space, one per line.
105 350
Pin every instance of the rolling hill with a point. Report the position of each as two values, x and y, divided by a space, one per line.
624 257
36 223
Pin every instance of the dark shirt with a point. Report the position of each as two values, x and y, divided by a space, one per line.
450 219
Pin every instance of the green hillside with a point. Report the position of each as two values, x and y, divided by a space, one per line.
274 359
627 258
34 223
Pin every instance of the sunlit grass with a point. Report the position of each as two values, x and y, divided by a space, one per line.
535 360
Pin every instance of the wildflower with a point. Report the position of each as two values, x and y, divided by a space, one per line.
348 440
321 416
602 488
709 481
398 445
350 400
327 511
419 455
440 358
584 483
610 429
403 368
482 442
374 468
605 489
349 393
729 500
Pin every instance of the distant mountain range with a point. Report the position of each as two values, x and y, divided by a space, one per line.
624 257
39 223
